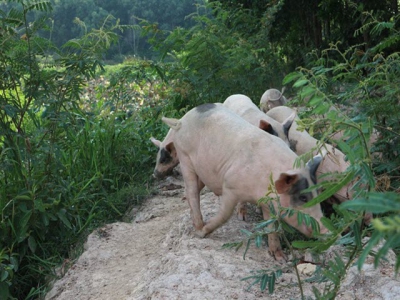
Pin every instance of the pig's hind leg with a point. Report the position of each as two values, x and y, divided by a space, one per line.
228 203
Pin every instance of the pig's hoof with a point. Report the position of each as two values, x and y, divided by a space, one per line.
242 212
279 255
200 233
368 218
242 216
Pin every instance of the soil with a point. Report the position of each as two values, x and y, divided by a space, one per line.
157 256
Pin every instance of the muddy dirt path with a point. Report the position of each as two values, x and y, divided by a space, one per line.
157 256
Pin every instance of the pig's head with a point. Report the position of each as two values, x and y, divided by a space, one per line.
272 98
290 187
280 130
167 158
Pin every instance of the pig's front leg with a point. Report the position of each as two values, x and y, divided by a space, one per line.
242 211
193 186
228 203
274 244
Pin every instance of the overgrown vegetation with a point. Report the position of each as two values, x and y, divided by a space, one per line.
356 93
74 149
74 146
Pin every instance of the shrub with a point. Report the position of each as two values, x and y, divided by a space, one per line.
72 156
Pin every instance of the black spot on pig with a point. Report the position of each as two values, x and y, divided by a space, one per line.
165 156
327 206
313 165
296 196
286 128
205 107
271 131
293 145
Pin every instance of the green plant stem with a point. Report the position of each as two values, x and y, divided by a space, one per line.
363 138
388 129
295 266
351 259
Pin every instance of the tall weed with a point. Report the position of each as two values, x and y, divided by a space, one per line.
353 92
67 164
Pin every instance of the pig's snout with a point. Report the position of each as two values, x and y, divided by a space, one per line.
309 231
323 230
158 175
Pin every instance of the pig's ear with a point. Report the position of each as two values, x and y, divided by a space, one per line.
313 165
172 123
287 123
285 182
170 148
264 125
157 143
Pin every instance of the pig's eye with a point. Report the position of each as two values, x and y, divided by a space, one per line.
303 198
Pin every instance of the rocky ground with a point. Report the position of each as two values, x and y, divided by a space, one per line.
157 256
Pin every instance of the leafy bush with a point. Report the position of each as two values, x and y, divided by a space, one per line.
217 57
73 155
352 92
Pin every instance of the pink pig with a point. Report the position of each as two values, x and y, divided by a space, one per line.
234 159
245 108
272 98
302 142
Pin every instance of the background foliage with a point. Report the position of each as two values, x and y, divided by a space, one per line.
74 135
74 146
62 27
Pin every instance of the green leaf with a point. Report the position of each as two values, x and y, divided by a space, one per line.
307 91
10 110
368 174
235 245
39 205
258 241
305 244
347 150
397 266
264 281
328 224
331 190
316 99
246 232
14 262
23 226
62 216
23 197
4 290
315 226
271 283
291 77
321 108
376 203
287 228
390 242
32 243
356 227
264 223
375 238
247 248
3 276
300 83
300 218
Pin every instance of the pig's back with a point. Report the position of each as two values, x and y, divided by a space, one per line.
222 147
